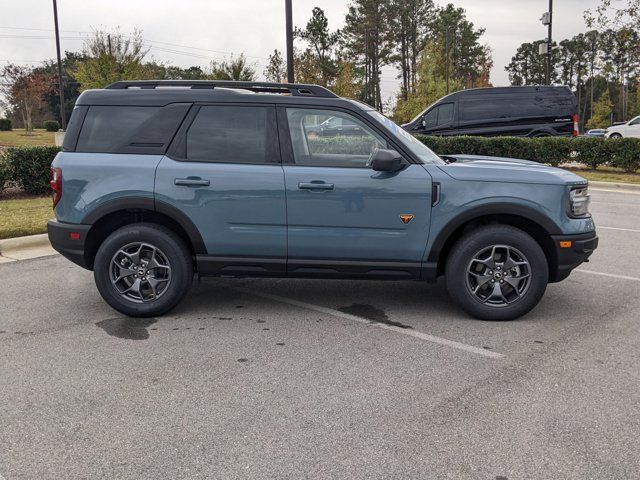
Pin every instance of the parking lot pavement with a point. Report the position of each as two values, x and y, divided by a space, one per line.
325 379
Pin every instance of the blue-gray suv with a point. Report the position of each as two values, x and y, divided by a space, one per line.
158 180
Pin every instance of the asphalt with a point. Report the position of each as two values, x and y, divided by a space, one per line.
316 379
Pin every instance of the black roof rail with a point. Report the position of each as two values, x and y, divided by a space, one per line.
296 89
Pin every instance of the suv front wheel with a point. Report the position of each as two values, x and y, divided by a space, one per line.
143 270
497 272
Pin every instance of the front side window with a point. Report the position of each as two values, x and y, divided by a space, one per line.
232 134
314 146
635 121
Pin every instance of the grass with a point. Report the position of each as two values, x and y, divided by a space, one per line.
607 174
24 216
17 138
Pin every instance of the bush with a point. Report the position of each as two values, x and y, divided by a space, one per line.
5 174
29 167
591 152
5 125
51 125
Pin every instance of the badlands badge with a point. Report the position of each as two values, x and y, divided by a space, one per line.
406 218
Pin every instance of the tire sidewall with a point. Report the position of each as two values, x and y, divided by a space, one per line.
173 248
469 245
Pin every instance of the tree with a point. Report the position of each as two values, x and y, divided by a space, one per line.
528 67
321 44
70 83
24 91
276 70
411 22
346 84
237 68
110 58
609 14
366 38
602 111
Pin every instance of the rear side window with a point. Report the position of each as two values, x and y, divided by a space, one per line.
233 134
130 129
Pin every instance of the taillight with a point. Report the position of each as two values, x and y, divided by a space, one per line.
56 185
576 125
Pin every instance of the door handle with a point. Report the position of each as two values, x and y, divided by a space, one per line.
192 182
315 186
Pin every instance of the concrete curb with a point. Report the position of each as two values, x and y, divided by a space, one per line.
21 243
612 185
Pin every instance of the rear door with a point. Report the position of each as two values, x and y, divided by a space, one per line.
343 217
223 172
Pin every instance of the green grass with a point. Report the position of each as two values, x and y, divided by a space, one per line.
605 174
24 216
17 138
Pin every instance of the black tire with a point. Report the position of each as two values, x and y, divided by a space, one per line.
615 135
177 265
460 281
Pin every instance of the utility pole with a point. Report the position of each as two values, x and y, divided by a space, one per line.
289 15
446 56
549 42
63 118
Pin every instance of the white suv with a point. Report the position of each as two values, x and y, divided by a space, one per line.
629 129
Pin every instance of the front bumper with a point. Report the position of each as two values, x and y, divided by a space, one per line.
570 256
69 240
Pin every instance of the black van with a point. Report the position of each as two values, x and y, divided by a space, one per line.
501 111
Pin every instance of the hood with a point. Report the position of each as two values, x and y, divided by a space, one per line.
498 169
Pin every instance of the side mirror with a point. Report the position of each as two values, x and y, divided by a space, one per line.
387 161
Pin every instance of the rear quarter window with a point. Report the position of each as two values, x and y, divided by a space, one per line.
130 129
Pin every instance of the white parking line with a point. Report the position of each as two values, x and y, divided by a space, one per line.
617 228
405 331
624 192
622 277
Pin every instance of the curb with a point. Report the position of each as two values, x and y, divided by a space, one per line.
621 186
20 243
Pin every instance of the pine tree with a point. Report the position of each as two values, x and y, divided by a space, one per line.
602 111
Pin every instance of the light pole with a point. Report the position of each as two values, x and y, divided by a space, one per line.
63 118
289 15
550 41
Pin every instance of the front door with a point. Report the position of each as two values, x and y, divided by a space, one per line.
224 173
344 218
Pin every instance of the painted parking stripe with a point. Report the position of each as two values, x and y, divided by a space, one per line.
622 192
617 228
405 331
611 275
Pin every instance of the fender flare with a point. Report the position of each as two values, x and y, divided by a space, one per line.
148 203
525 212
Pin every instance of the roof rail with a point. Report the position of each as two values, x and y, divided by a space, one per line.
296 89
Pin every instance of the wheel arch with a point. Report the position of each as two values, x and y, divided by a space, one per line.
526 219
125 211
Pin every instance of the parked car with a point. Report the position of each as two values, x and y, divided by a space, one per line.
595 132
335 126
154 184
629 129
501 111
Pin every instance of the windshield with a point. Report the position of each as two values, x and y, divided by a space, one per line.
418 148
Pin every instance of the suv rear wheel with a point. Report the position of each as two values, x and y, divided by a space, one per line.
143 270
497 272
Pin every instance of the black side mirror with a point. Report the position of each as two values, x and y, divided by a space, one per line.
387 161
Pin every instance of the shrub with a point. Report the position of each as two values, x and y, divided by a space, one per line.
51 125
589 151
29 167
5 174
5 125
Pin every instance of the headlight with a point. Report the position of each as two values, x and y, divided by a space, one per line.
579 199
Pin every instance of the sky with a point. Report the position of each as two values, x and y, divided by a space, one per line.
194 32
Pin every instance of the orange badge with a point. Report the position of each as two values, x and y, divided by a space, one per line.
406 218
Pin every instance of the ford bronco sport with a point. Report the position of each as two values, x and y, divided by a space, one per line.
158 180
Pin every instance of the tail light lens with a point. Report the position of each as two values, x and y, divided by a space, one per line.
56 185
576 125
